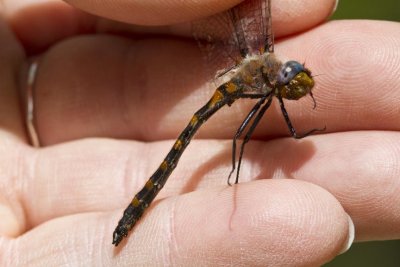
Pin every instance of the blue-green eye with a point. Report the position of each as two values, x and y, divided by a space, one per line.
288 71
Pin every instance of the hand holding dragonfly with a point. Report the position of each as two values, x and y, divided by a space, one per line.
61 202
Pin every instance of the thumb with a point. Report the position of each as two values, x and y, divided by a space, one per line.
153 12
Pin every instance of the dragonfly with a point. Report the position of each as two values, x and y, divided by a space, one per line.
242 39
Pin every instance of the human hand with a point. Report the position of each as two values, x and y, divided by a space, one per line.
61 203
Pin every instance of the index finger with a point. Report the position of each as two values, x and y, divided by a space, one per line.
38 24
289 16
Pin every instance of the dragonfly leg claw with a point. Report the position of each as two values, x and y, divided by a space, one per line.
309 132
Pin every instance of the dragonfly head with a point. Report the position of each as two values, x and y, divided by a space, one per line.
294 81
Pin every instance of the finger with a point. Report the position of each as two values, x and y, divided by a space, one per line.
75 176
11 127
171 12
362 170
12 58
355 92
142 90
39 24
294 223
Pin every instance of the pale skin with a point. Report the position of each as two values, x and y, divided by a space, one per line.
60 204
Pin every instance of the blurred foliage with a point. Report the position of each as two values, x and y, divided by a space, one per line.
368 9
383 253
370 254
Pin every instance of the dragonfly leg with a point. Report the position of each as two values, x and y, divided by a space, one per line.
225 71
250 133
239 132
292 130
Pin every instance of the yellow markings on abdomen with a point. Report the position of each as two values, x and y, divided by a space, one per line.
135 202
217 97
164 165
178 144
230 87
194 120
149 185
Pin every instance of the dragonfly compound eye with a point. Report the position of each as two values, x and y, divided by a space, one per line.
295 80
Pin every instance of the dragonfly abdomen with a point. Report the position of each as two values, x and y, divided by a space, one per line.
227 93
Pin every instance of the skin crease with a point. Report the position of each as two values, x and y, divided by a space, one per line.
60 204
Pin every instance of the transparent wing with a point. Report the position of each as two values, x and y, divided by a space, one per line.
253 25
217 41
227 37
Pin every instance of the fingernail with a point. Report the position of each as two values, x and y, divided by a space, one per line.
335 7
350 236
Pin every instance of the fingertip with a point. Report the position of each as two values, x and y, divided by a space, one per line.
300 15
38 24
153 12
276 222
289 16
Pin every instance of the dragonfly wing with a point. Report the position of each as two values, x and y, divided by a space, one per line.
217 41
253 25
226 38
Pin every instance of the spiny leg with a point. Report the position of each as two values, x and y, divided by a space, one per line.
250 133
244 125
239 132
290 126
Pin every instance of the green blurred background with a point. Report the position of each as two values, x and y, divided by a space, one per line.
368 9
369 254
